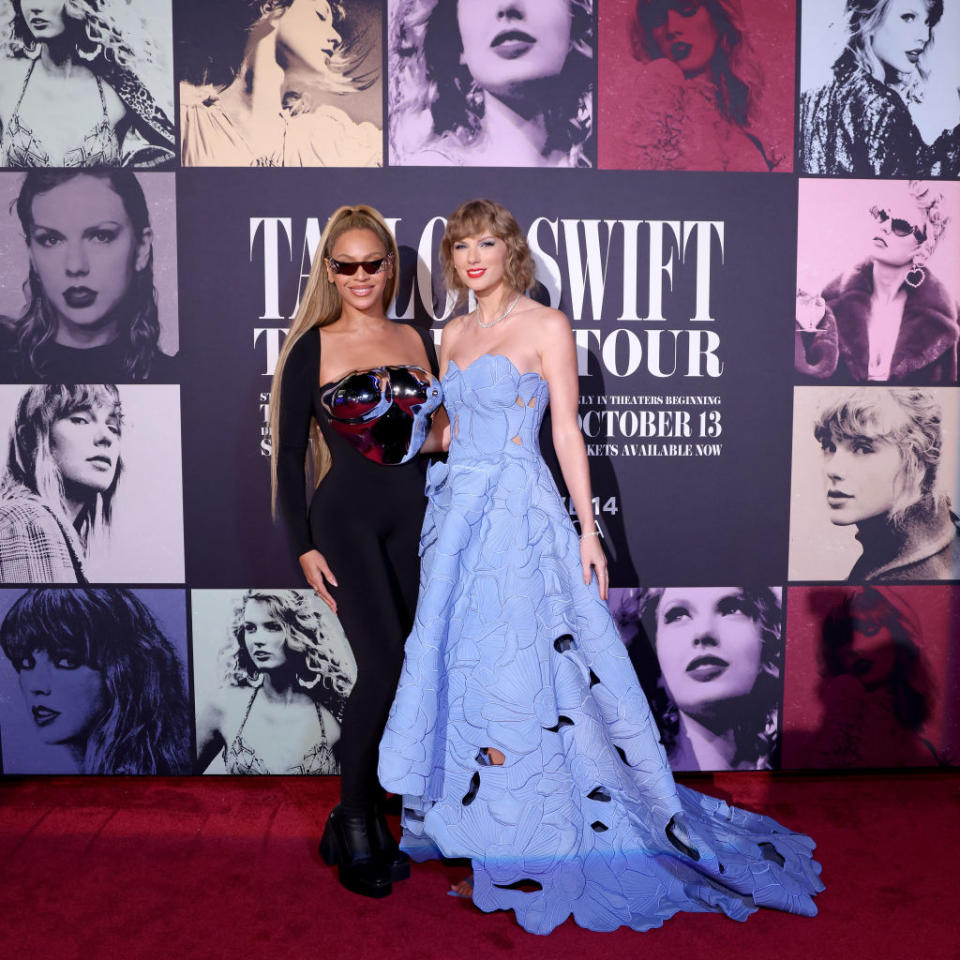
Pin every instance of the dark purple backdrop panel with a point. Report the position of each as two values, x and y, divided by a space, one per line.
684 516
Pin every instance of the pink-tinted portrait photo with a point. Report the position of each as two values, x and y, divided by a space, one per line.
696 85
877 282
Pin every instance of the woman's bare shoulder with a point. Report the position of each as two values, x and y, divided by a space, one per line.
116 108
452 330
13 70
226 704
544 321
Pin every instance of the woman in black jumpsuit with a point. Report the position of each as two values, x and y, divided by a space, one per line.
361 529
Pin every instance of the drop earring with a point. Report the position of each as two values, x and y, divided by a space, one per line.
474 98
916 275
91 53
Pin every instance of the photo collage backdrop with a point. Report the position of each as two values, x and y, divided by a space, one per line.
688 175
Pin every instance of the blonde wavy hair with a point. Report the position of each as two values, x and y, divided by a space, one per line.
477 217
320 305
31 464
863 20
930 202
107 28
328 674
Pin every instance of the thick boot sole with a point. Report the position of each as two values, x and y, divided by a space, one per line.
355 884
349 878
329 848
400 871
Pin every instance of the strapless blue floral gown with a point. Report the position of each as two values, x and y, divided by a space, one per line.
511 650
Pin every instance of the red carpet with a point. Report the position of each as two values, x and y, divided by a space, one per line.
227 868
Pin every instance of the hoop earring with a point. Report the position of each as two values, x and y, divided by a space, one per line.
31 50
89 55
916 276
474 98
309 684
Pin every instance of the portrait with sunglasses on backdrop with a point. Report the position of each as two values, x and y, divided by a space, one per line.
357 539
887 319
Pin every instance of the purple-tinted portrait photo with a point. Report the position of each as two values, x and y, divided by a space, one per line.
710 661
93 681
473 86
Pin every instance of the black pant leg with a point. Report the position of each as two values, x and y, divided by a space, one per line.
375 618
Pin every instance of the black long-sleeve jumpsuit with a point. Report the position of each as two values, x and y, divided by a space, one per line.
365 518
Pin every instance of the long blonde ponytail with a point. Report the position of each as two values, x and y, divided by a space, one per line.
320 306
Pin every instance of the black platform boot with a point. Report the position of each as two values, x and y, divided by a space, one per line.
346 844
385 847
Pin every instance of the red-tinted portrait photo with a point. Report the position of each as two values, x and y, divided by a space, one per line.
688 85
871 680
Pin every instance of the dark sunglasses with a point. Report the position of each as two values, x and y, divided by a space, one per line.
657 12
898 227
350 267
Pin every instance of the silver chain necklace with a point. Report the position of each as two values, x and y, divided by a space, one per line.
503 316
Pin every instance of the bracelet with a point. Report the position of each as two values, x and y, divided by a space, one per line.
592 533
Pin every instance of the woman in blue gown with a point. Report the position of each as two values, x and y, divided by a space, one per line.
519 736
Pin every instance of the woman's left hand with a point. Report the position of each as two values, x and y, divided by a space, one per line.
592 558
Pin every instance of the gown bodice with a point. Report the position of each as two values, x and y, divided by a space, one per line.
494 409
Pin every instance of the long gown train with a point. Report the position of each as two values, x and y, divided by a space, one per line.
511 650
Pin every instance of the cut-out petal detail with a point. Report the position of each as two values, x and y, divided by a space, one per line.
526 885
771 853
471 794
678 837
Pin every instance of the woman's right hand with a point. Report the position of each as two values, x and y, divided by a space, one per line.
318 574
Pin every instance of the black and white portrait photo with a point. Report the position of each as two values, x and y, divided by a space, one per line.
86 83
710 661
272 673
474 85
93 681
88 277
91 488
280 83
874 484
878 288
879 82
